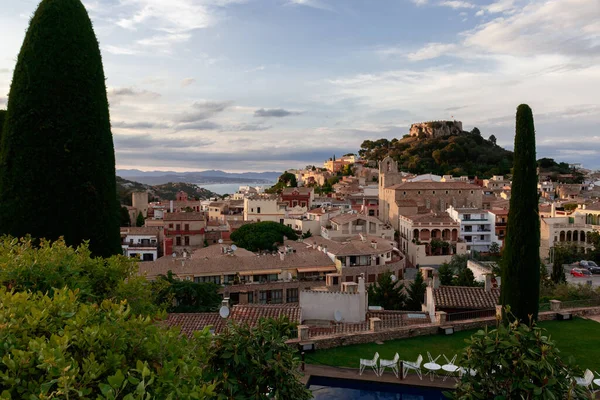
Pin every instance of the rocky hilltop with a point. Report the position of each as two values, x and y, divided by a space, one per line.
435 129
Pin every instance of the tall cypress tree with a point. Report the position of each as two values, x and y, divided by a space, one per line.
521 258
57 172
2 118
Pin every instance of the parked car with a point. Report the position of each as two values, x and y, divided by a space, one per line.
580 273
587 263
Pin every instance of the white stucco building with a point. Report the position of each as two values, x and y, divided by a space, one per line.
140 242
477 227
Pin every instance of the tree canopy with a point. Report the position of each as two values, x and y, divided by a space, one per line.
521 258
416 293
287 179
265 235
515 361
387 293
57 172
463 154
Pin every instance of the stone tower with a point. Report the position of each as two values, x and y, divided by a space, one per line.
139 200
388 176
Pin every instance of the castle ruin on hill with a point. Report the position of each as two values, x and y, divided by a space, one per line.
434 129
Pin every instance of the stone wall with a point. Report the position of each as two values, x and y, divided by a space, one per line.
434 129
347 339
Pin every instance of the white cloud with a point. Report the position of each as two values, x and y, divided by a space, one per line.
480 13
311 3
164 40
420 2
187 82
118 50
457 4
431 50
501 6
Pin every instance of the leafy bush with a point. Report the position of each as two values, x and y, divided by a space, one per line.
59 347
387 293
515 361
251 362
186 296
262 235
52 265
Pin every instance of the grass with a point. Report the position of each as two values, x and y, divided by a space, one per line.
579 338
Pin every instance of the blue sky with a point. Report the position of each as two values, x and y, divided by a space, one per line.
253 85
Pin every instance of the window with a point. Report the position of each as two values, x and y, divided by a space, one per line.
291 296
371 278
187 227
472 192
460 191
277 296
404 193
178 241
419 192
212 279
349 278
433 192
178 227
228 279
171 226
446 192
336 280
482 238
262 297
186 240
303 204
252 210
250 297
258 210
147 257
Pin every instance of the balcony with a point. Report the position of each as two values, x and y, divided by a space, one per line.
140 245
500 223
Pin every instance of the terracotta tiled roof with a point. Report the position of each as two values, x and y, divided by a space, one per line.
354 246
431 217
242 314
212 261
238 224
185 216
406 203
321 211
428 185
300 190
592 207
465 297
349 217
134 230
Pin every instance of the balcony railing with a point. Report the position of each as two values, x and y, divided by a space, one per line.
153 245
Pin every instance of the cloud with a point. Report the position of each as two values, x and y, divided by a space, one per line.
166 41
455 108
247 127
479 13
501 6
311 3
3 101
198 126
187 82
203 110
420 2
431 50
146 141
139 125
457 4
274 112
4 70
118 50
132 92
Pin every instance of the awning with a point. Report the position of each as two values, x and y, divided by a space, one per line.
261 272
317 269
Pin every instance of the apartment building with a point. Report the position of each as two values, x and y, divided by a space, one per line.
298 196
141 242
185 229
352 224
477 227
567 230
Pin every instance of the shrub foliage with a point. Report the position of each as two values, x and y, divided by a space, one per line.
262 235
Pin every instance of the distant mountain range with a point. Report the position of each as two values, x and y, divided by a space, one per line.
202 177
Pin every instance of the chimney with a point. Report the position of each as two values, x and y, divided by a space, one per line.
374 244
435 281
488 282
282 255
325 249
225 302
552 211
314 246
171 205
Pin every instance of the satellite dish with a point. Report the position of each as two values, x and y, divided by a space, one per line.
224 312
234 247
174 254
220 241
337 315
393 278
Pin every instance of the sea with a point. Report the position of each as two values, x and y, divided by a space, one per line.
230 188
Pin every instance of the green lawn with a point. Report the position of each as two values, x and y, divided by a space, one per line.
579 338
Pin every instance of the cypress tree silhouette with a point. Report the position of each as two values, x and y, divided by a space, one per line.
57 173
521 258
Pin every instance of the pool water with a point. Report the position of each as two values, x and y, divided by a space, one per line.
343 389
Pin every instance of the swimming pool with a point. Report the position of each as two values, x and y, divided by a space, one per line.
344 389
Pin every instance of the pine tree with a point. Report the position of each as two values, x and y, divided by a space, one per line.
57 172
446 274
140 220
416 293
521 259
2 117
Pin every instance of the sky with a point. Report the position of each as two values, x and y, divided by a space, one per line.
267 85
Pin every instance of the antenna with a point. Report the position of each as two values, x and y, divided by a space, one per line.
337 315
220 241
224 312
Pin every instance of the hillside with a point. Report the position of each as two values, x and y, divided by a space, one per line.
467 153
167 191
